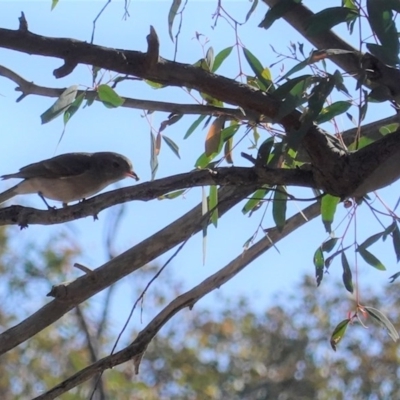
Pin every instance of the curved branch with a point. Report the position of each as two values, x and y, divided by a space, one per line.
136 349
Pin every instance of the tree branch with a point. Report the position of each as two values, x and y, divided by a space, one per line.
226 176
136 349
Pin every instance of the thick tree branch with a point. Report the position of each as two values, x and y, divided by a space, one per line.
188 299
227 176
74 293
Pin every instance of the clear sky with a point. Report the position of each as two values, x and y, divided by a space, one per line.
126 131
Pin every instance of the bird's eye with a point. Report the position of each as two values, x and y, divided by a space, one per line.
115 164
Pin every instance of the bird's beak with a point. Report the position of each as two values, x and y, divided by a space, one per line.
131 174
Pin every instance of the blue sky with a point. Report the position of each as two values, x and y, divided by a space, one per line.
126 131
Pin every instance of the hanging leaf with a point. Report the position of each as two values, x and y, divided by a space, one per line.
277 11
213 138
212 204
73 108
384 321
264 152
220 58
338 333
228 151
61 105
328 210
109 97
193 127
253 7
153 156
371 240
319 265
328 246
347 276
279 207
172 14
53 4
172 119
396 241
329 260
172 145
328 18
370 259
254 200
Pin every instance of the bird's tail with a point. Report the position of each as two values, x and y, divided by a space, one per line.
8 194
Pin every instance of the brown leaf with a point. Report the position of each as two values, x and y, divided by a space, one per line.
158 143
213 138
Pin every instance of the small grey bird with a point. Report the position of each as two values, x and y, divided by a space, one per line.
70 177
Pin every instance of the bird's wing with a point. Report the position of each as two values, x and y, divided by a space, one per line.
57 167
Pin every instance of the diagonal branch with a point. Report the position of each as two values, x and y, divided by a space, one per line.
70 295
136 349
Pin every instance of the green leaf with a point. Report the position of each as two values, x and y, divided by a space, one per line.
328 18
279 207
318 260
212 204
203 161
390 128
328 246
109 96
328 210
338 333
172 14
53 4
370 259
257 68
61 105
193 127
277 11
73 108
253 7
221 57
172 195
329 260
153 156
347 276
264 151
296 68
332 111
172 145
384 321
254 200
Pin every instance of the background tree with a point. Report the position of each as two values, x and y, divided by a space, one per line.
297 153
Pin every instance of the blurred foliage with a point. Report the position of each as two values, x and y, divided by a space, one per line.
231 352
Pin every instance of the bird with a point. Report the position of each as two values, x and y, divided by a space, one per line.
70 177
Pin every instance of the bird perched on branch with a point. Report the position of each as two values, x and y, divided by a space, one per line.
70 177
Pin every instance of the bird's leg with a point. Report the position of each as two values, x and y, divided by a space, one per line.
45 202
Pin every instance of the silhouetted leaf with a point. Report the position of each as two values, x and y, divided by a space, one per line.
347 276
329 245
318 260
257 68
396 242
328 18
332 111
172 145
277 11
172 14
371 240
